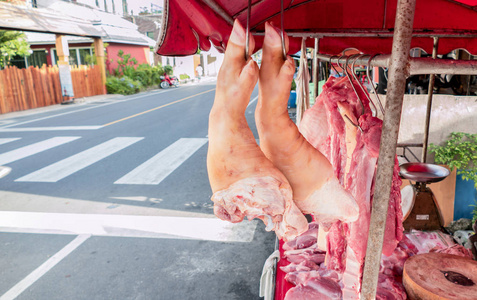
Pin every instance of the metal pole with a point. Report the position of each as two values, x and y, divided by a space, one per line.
417 65
378 61
430 92
387 151
316 69
423 65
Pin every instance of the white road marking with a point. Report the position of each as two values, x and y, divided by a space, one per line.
12 122
72 164
52 128
21 286
8 140
138 199
252 101
14 201
209 229
4 171
157 168
61 114
35 148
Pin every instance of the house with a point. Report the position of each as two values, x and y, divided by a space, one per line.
210 61
118 33
149 25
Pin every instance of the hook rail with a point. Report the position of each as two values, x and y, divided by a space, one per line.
417 65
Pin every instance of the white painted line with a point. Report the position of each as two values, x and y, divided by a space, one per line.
4 171
8 140
17 154
61 114
252 101
21 286
12 123
72 164
157 168
209 229
52 128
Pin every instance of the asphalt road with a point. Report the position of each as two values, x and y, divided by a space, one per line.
109 199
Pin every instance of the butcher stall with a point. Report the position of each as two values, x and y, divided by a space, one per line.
395 249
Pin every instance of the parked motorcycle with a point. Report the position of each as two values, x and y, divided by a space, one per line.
167 81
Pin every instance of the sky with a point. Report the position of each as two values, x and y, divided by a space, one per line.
136 5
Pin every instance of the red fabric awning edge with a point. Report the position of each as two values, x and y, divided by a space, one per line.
189 25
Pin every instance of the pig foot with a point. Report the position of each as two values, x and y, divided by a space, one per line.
243 180
309 172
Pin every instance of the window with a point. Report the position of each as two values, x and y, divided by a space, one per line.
73 57
83 54
150 34
37 58
77 56
18 61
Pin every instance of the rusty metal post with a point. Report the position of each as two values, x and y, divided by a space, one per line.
430 92
316 69
387 151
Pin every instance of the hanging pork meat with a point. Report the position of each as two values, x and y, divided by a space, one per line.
315 189
341 126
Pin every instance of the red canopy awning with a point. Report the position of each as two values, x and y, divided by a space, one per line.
340 24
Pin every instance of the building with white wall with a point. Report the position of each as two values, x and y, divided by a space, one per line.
209 60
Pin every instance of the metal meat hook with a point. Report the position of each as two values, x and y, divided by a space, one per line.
331 64
349 120
365 92
345 70
351 82
247 31
284 52
372 85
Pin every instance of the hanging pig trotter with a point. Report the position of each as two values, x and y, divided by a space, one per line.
244 182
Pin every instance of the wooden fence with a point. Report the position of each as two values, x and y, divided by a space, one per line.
22 89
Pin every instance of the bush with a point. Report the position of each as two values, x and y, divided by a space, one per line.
184 76
148 75
123 85
130 73
460 152
169 70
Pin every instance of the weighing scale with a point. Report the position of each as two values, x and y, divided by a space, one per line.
421 210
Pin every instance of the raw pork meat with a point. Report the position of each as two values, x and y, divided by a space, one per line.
309 275
243 180
330 126
315 281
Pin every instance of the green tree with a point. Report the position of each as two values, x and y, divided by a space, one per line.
12 43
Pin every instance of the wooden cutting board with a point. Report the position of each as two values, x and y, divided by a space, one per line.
440 276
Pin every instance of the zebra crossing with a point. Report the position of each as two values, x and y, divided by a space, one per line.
150 172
